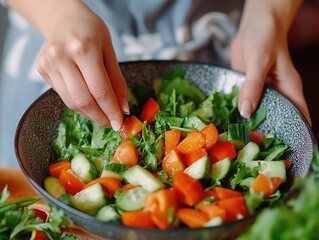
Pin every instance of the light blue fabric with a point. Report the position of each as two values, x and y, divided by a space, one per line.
140 29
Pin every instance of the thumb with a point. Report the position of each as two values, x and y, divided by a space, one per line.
252 88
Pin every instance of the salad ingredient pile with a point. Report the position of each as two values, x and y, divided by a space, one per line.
180 159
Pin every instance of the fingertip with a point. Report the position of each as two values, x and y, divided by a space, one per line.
124 105
116 125
246 108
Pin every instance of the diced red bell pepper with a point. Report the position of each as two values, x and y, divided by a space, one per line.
191 142
191 217
149 110
56 168
172 138
210 134
71 182
222 150
126 153
130 127
173 163
162 204
192 157
189 190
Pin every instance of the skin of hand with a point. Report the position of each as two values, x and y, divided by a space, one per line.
260 49
78 59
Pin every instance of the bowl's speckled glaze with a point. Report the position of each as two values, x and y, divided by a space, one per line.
38 127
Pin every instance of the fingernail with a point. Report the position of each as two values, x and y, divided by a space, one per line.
246 109
115 125
125 106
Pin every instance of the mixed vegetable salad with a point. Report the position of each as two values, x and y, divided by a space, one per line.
180 159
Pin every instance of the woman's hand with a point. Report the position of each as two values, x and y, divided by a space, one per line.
260 49
79 62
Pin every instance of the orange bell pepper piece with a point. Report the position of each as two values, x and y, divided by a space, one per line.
109 184
189 190
171 139
127 154
162 204
191 142
173 163
70 181
192 157
210 134
140 219
56 168
191 217
130 127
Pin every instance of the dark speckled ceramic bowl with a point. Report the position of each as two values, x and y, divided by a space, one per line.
38 127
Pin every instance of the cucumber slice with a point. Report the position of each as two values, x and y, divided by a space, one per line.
83 168
238 134
194 122
54 187
248 153
99 163
67 199
216 221
107 214
269 168
115 170
131 200
222 137
220 169
139 176
200 169
108 173
90 199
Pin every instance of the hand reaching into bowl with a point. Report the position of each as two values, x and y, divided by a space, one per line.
260 49
78 59
79 62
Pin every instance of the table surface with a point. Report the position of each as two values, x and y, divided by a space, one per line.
19 187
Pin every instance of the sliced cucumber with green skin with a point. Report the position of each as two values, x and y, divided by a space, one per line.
194 122
139 176
269 168
99 163
54 187
90 199
200 169
248 153
222 137
216 221
67 199
107 214
220 169
131 200
108 173
83 168
115 170
238 134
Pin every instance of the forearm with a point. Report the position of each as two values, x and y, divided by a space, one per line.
42 13
281 11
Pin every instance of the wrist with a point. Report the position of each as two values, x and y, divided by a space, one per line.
44 13
281 12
